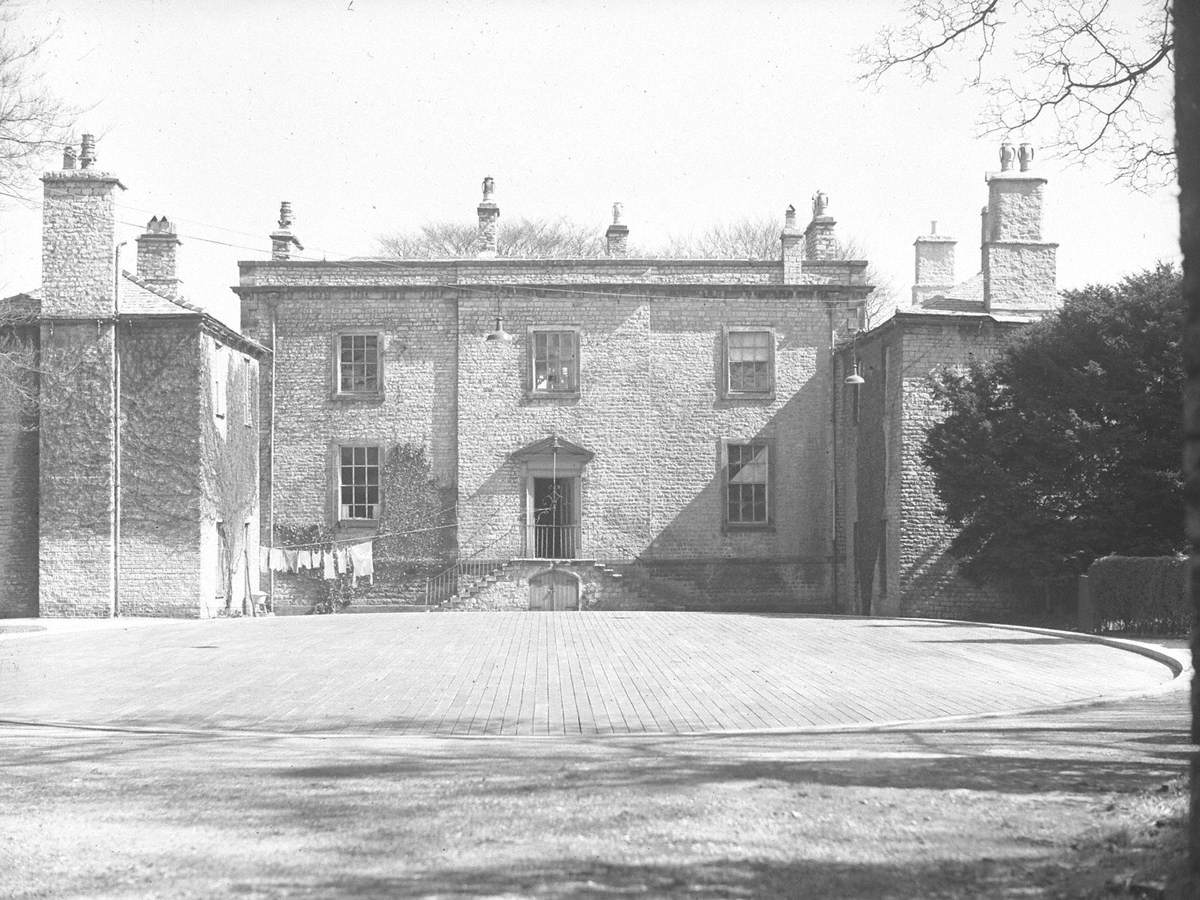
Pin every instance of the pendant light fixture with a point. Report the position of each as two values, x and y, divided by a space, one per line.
854 378
499 336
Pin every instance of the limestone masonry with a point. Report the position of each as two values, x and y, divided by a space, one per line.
617 432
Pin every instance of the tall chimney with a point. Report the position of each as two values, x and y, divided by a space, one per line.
79 237
282 239
792 247
820 241
77 506
1019 267
617 235
933 264
489 221
156 256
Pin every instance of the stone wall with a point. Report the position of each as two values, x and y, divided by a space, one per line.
160 468
929 581
75 524
651 410
18 472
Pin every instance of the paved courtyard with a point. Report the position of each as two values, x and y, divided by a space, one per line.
549 674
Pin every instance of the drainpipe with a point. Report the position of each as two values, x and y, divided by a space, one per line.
835 397
271 469
116 454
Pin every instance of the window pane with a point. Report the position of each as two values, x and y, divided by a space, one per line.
747 484
358 363
555 365
358 482
749 357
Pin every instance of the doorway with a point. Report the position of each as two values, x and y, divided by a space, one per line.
555 524
554 590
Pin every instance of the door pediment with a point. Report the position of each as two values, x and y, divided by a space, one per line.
554 448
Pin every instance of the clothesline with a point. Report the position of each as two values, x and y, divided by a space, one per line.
355 540
331 562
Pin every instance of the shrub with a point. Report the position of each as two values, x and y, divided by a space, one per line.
1146 594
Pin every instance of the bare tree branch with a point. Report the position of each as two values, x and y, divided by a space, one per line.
1074 67
33 122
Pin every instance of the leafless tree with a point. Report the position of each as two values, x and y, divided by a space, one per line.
758 238
1088 70
747 238
519 238
33 122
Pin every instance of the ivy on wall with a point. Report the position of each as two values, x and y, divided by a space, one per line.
418 514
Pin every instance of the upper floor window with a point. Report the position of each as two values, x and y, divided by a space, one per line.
554 361
359 365
747 484
749 362
358 483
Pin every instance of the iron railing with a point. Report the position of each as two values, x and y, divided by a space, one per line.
553 541
461 576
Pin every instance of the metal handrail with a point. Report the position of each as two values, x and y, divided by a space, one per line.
553 541
444 585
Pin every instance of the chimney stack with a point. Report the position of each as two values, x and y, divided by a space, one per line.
934 266
79 237
820 241
489 219
617 234
1019 267
282 239
156 256
87 152
792 247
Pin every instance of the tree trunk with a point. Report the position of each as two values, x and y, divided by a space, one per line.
1186 15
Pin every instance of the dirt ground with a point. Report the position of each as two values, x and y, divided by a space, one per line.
1080 803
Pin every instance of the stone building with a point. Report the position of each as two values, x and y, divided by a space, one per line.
601 431
128 425
896 560
509 433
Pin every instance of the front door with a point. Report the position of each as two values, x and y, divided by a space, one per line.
556 590
555 519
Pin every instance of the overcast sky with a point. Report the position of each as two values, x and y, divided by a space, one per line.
375 115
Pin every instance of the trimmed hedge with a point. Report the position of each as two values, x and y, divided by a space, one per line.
1143 594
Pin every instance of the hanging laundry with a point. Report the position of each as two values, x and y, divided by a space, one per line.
362 555
330 569
304 559
278 560
343 560
292 557
264 559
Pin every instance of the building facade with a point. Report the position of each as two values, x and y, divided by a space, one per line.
608 432
582 415
897 540
128 427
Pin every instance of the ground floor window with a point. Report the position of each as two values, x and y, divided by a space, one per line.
358 483
747 484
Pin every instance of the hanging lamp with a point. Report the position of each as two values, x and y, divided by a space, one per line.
499 336
854 378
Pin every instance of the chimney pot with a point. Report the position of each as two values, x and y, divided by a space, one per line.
1025 156
1007 155
282 239
87 154
68 157
617 236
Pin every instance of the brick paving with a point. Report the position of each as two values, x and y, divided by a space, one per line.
549 673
